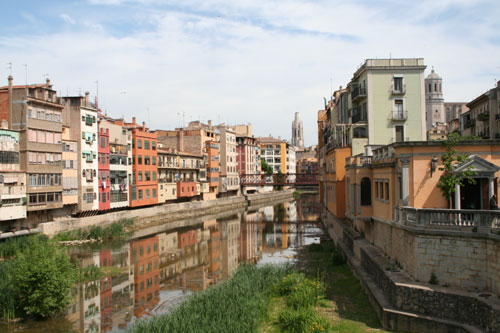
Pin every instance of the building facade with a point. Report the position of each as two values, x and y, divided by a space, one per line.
36 112
81 117
144 186
104 179
70 161
229 181
12 180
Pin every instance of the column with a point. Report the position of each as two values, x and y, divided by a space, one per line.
457 196
405 179
491 189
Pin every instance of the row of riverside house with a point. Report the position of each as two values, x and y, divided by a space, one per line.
381 143
62 157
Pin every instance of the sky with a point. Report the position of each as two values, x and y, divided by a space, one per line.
240 61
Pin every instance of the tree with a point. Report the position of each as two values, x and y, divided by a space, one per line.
450 159
266 167
41 277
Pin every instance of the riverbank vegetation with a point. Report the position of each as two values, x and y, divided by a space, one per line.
114 231
237 305
36 278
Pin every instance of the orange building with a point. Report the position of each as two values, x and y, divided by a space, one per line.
144 184
146 262
213 167
406 174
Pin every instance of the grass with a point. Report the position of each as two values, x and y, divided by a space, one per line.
237 305
345 306
116 230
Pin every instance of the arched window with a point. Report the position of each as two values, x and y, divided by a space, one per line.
366 192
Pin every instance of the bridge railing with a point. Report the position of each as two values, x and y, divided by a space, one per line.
279 179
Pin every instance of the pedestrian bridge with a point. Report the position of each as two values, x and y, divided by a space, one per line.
291 179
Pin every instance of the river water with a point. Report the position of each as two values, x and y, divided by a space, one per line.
158 271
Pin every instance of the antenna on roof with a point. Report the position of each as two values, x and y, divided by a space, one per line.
45 76
26 71
97 94
10 67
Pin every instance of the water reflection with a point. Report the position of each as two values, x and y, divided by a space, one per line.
153 274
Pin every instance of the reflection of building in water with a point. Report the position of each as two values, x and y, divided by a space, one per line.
122 286
145 259
106 294
215 256
230 247
308 208
249 238
85 311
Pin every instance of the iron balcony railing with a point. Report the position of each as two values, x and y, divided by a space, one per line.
399 115
398 90
358 92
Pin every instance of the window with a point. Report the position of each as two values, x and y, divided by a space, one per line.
359 132
400 133
139 159
147 160
387 190
146 144
154 160
154 175
140 194
103 142
154 196
398 84
147 176
148 192
139 176
366 192
153 145
139 143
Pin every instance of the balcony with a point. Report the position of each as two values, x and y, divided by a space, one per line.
359 161
485 116
398 90
469 122
399 115
451 219
358 92
358 116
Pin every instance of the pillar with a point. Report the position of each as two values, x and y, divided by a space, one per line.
491 185
457 196
405 179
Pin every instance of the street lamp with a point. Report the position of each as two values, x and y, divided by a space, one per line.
434 163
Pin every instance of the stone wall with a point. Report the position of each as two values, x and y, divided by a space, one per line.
266 197
147 216
437 302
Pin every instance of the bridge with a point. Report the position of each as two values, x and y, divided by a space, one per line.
291 179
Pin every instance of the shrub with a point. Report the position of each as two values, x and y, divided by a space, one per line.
338 257
301 291
304 320
315 247
37 280
433 279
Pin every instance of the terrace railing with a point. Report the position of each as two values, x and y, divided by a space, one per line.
484 220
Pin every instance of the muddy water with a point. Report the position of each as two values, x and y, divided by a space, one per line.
155 273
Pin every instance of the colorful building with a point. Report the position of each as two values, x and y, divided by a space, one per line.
144 186
70 172
35 111
12 179
104 173
81 117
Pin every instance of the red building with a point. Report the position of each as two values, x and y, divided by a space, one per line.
144 185
186 189
104 179
188 238
146 261
106 293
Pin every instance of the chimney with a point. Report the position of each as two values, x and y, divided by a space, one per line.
181 140
144 126
48 85
10 78
87 101
210 123
133 120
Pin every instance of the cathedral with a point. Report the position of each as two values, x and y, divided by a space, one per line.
297 132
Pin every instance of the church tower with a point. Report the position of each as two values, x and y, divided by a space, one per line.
434 102
297 132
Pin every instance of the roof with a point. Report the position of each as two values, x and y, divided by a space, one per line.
270 139
433 75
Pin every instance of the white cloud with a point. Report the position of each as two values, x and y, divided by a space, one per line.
252 61
68 19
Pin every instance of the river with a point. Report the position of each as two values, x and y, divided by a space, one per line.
156 272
